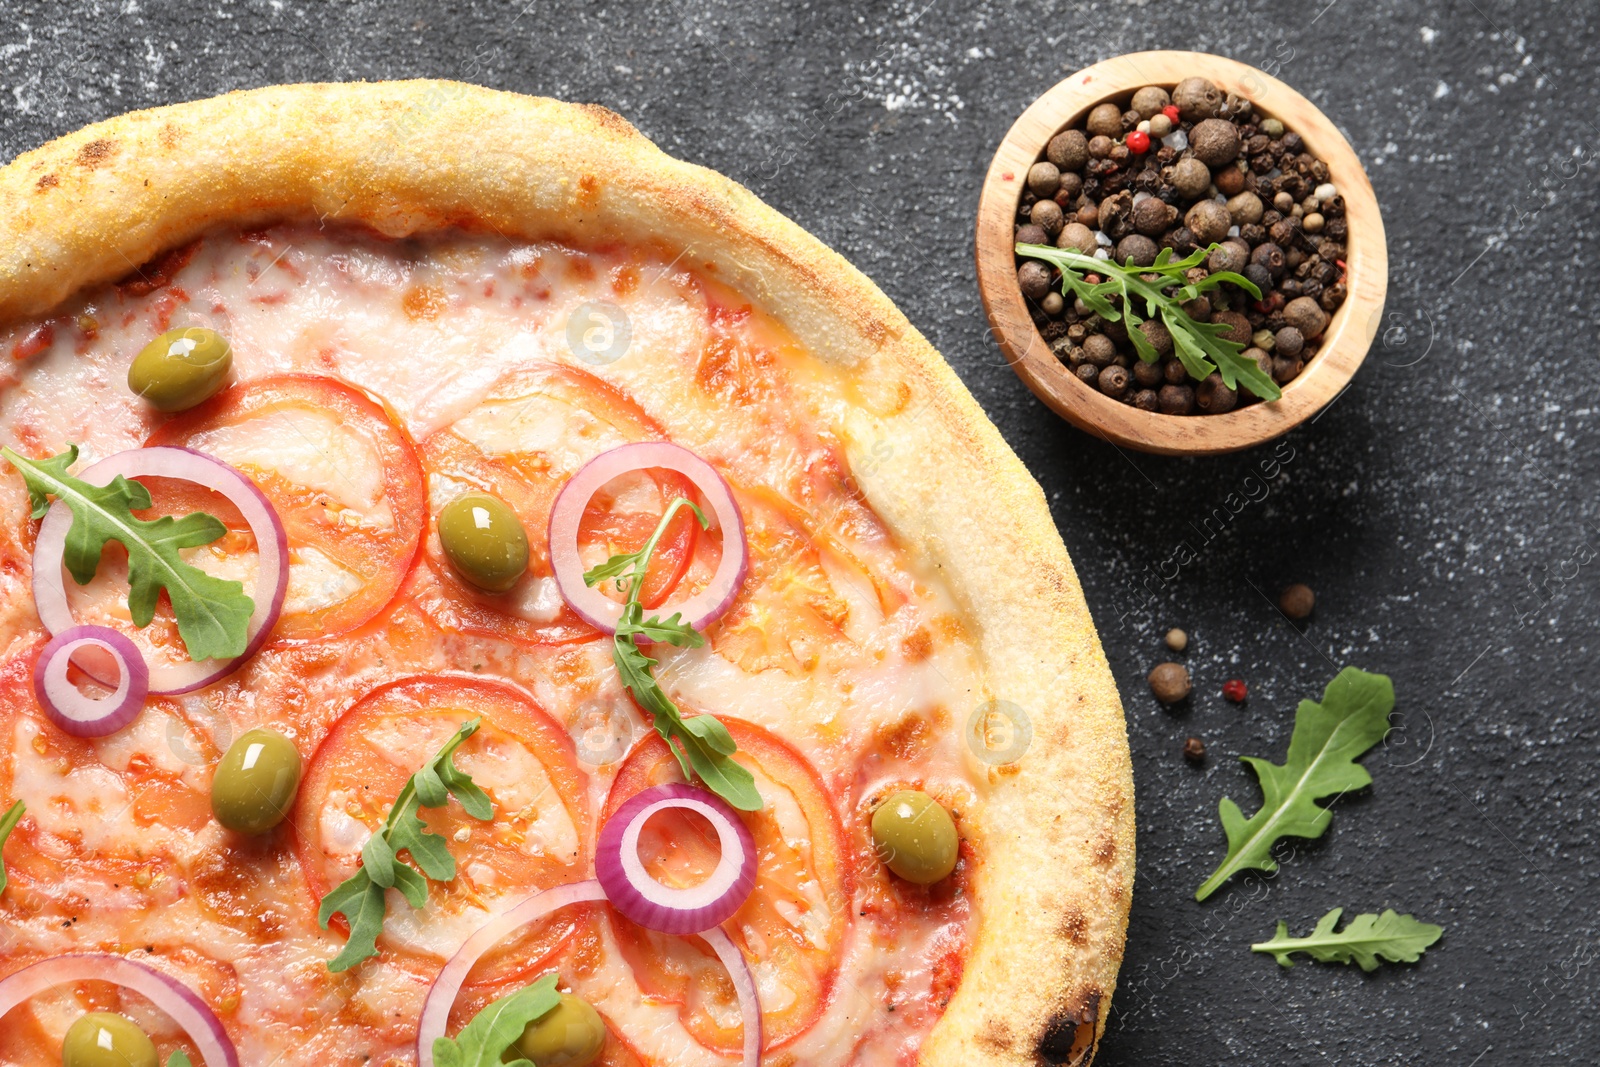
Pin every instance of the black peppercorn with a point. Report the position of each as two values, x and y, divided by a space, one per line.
1147 400
1270 256
1087 373
1194 750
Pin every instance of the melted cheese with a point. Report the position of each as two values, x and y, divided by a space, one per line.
433 328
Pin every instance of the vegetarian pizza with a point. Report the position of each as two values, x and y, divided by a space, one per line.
476 589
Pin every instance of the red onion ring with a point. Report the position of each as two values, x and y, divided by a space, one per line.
639 897
744 983
184 464
180 1002
600 610
442 994
447 986
75 712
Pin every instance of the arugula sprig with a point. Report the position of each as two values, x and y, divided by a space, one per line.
1327 740
1365 941
8 823
360 898
213 614
1200 346
701 744
483 1041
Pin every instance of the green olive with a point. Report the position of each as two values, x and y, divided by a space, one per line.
103 1039
181 368
256 782
915 837
569 1035
485 541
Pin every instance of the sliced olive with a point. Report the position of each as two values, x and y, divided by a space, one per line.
104 1039
569 1035
255 784
915 837
181 368
485 541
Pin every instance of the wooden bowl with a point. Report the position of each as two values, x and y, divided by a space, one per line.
1349 331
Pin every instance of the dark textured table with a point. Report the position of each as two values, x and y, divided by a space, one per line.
1443 508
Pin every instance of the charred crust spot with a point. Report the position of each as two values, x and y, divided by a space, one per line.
96 152
1070 1036
49 181
1074 925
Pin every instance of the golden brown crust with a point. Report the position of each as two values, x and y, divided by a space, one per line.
1054 830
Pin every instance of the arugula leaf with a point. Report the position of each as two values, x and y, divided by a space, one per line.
1366 940
8 823
179 1058
360 898
1200 346
1327 740
484 1040
702 745
213 615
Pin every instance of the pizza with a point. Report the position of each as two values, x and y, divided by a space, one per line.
473 587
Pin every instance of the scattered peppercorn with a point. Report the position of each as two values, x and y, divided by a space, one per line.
1235 690
1194 750
1169 682
1297 601
1177 640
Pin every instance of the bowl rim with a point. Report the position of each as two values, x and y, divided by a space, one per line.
1350 329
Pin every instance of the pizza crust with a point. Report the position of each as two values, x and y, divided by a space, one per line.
1054 831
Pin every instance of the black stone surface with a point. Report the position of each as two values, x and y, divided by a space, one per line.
1443 508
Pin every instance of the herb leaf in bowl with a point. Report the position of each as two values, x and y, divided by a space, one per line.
1162 290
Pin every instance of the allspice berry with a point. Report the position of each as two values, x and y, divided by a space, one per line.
1078 237
1068 150
1159 337
1047 215
1197 99
1169 682
1044 179
1113 381
1288 342
1176 399
1208 220
1191 178
1099 349
1152 216
1138 249
1033 278
1029 234
1215 142
1296 601
1238 326
1149 101
1105 120
1245 208
1305 315
1213 397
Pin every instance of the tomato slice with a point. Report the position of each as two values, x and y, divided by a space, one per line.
106 817
793 926
520 757
343 476
522 443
